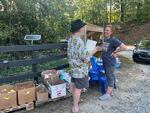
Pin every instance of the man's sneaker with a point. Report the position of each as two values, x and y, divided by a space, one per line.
105 97
115 87
116 80
112 94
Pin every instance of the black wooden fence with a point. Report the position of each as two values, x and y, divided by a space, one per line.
56 52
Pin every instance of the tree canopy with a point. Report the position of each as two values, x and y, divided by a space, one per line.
51 18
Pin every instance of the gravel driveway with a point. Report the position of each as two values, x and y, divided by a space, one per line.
131 96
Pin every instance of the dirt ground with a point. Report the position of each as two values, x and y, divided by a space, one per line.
131 96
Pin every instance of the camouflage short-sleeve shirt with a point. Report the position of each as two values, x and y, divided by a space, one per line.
79 57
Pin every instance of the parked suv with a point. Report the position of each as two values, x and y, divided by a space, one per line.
141 53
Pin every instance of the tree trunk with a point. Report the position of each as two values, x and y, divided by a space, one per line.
106 12
110 13
122 10
138 13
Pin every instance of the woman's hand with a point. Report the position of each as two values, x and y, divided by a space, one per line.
114 54
121 48
97 48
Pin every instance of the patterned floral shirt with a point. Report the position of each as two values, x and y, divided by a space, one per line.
79 57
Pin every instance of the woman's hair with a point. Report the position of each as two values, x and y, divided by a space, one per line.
112 28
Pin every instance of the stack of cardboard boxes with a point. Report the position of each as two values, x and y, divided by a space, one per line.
26 92
56 87
12 96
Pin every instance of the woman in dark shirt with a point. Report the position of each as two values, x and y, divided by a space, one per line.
111 47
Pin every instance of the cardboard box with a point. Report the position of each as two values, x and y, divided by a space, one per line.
41 93
51 75
8 96
26 92
58 89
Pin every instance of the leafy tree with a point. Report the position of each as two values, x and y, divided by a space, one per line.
51 18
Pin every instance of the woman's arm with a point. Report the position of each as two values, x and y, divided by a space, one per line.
97 48
122 47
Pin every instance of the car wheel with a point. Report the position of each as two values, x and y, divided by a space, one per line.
135 58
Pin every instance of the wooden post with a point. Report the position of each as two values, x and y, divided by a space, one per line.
34 66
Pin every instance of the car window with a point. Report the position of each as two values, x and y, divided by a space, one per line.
145 44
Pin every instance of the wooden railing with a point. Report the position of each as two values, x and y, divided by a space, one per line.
55 52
